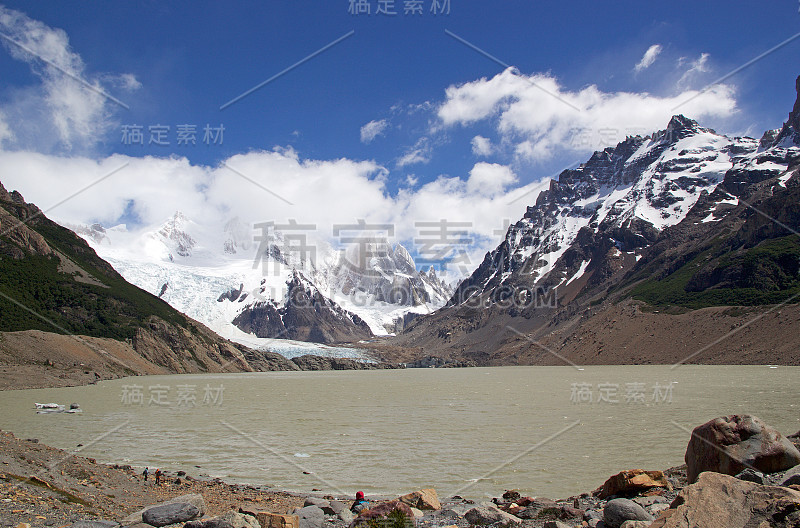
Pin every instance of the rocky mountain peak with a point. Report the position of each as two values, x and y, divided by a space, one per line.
791 129
402 260
681 123
4 194
174 230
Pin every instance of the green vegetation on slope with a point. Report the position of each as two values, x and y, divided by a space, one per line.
765 274
74 307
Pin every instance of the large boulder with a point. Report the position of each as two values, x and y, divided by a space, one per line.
310 516
383 510
191 499
632 482
486 514
722 501
425 499
618 511
732 443
173 513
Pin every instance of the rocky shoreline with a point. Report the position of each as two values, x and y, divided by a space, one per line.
740 472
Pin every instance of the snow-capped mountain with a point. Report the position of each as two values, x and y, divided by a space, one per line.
620 200
246 283
684 218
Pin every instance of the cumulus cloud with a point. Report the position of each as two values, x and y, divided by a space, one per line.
372 130
540 117
648 58
265 186
490 178
69 106
481 146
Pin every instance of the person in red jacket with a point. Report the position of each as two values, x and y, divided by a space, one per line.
360 503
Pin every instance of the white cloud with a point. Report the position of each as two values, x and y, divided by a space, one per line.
696 67
320 192
420 153
490 178
540 118
69 109
411 180
482 146
372 130
648 58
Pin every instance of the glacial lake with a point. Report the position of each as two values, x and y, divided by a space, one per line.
547 431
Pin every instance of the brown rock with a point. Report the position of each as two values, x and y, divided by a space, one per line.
511 495
722 501
425 499
633 481
382 510
731 443
277 520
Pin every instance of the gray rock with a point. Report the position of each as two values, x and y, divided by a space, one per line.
239 520
192 498
655 509
95 524
316 501
336 507
536 506
595 523
588 515
618 511
310 516
176 512
457 510
792 476
644 502
635 524
208 523
556 524
486 514
751 475
345 515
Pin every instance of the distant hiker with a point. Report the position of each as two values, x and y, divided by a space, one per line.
158 477
360 504
145 473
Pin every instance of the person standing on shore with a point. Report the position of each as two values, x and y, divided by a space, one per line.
158 477
360 503
145 473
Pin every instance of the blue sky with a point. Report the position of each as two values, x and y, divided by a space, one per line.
441 111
